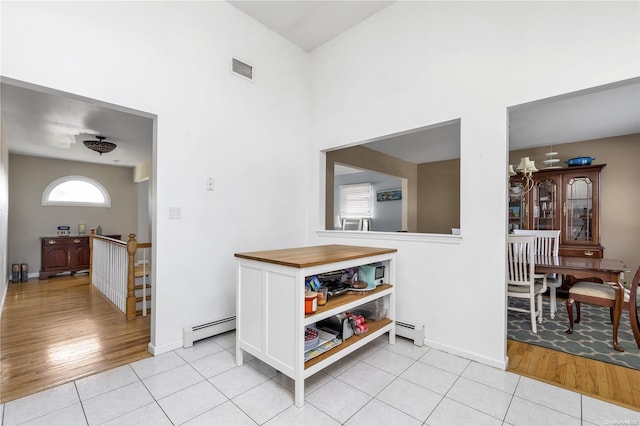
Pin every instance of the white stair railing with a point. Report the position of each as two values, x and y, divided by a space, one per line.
143 272
109 269
114 271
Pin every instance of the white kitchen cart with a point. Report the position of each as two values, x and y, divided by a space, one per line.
270 318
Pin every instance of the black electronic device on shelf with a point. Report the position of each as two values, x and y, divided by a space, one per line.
332 280
342 281
336 288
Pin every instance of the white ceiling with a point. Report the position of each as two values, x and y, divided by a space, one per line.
601 112
43 122
309 23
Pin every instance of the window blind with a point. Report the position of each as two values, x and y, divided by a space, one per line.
355 200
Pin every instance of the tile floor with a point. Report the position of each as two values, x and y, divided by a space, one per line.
381 384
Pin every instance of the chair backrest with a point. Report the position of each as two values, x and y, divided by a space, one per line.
351 224
635 288
520 257
547 242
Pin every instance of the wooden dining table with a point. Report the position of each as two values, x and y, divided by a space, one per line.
608 270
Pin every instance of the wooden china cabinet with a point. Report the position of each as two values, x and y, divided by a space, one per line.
567 199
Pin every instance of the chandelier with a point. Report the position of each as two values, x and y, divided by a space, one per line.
526 168
100 146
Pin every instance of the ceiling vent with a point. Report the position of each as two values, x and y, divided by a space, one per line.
241 69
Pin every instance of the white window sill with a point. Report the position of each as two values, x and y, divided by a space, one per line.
395 236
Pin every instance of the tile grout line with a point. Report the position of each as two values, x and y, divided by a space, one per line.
84 413
513 395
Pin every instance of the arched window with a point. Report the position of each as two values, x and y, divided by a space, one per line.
76 191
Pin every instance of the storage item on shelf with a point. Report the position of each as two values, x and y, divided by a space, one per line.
372 274
580 161
374 310
338 324
358 324
312 283
310 302
311 338
322 295
321 348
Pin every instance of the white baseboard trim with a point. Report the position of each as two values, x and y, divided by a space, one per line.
496 363
168 347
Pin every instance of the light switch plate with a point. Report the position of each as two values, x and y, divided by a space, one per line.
175 213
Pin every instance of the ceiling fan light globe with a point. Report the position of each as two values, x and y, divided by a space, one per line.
100 146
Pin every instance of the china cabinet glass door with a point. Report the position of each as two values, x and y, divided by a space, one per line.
579 209
545 205
517 206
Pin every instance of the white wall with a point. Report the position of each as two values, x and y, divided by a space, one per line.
418 63
413 64
142 176
172 59
4 214
143 234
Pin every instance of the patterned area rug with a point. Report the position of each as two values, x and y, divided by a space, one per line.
591 338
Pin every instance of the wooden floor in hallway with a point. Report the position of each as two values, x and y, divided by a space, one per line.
58 330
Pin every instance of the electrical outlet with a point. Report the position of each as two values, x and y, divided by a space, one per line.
210 182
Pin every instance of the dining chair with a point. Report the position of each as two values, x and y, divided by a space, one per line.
349 224
521 280
547 244
604 295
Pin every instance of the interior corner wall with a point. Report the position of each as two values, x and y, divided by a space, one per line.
143 232
4 213
439 196
415 64
143 171
171 59
142 175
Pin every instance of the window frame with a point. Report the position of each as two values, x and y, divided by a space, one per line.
46 202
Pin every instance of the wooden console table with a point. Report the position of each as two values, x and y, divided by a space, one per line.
65 254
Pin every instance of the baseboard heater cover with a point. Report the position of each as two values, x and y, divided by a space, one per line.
209 329
411 331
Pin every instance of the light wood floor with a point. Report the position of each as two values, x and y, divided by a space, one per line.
58 330
598 379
